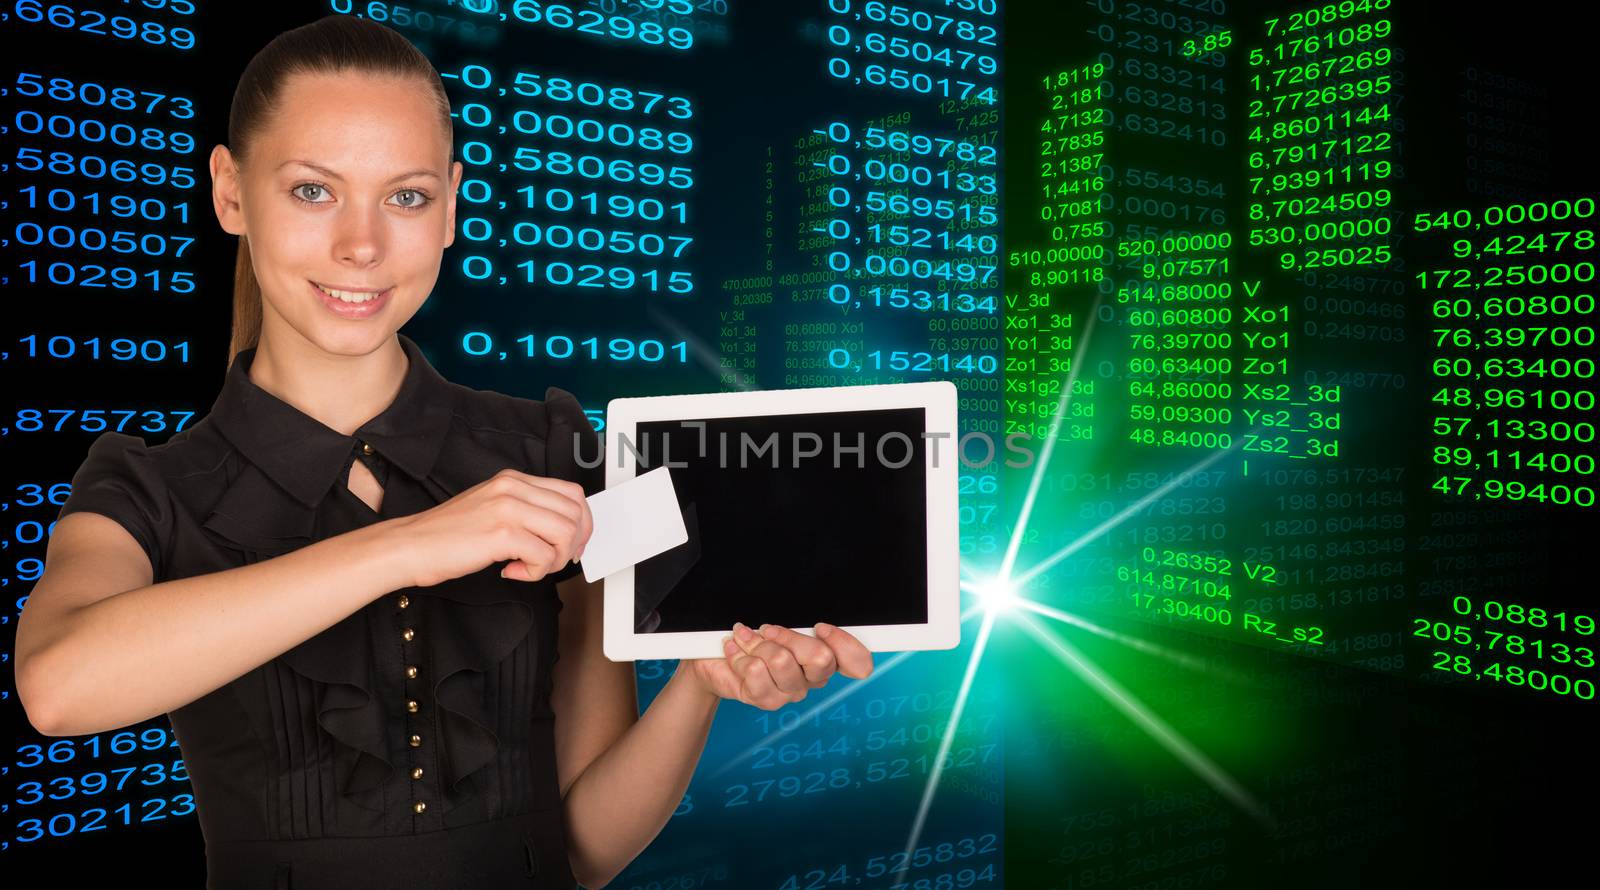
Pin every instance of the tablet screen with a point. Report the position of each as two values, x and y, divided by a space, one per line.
792 519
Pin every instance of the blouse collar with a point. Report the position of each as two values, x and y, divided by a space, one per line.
304 456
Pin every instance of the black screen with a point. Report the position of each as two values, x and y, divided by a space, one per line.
793 519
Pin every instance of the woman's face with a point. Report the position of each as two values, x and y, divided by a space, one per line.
348 187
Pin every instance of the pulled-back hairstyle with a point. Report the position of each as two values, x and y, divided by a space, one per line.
335 44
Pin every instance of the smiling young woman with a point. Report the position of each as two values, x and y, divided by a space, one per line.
347 586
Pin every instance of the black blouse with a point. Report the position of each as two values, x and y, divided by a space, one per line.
410 744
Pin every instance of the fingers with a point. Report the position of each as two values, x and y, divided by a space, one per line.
816 659
851 657
854 658
574 491
783 668
789 663
756 685
769 675
747 666
550 526
535 558
777 665
570 489
561 514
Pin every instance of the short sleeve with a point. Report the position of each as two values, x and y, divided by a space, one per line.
572 451
119 478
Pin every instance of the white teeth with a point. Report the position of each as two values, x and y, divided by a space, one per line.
347 296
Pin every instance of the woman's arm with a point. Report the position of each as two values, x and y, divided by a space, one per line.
100 647
623 775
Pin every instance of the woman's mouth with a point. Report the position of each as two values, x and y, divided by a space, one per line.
352 303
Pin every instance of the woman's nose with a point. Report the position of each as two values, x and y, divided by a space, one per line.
360 234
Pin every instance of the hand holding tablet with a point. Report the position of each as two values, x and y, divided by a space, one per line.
772 666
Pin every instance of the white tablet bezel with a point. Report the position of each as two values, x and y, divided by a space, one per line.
938 398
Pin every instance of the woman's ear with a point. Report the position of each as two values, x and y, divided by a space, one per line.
450 204
226 194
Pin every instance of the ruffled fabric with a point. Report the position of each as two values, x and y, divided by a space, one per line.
339 662
255 516
258 517
486 618
489 618
476 622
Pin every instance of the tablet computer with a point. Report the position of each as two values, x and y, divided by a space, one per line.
827 504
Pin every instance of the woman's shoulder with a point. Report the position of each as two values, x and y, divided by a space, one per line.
489 411
193 450
553 433
124 477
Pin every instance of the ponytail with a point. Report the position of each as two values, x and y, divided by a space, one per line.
246 303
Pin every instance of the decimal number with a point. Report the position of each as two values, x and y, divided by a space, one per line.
100 819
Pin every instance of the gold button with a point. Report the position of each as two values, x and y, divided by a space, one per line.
419 806
416 772
404 601
416 741
411 706
411 672
365 448
408 633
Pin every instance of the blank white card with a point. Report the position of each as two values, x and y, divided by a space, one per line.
632 522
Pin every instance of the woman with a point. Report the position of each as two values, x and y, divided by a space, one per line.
347 585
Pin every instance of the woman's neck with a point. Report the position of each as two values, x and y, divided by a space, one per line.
341 391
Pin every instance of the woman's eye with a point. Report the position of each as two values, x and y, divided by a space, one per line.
312 189
417 198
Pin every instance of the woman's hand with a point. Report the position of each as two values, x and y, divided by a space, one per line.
774 666
537 522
